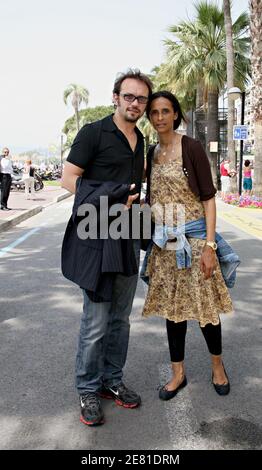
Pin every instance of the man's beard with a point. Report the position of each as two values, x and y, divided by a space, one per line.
129 118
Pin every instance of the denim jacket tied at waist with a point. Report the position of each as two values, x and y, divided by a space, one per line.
227 258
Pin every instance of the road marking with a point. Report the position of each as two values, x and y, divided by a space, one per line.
20 240
8 248
181 417
246 223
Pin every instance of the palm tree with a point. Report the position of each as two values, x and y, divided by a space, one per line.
256 67
78 95
85 116
163 78
148 131
230 83
196 60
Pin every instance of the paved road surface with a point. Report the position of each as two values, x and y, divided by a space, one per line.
39 322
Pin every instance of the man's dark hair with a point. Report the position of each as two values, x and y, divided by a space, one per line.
173 100
132 73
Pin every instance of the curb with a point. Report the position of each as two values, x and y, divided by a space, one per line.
6 224
63 196
59 198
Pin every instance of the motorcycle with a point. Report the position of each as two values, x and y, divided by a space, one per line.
19 184
38 182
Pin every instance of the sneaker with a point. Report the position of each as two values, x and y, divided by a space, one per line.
91 411
122 395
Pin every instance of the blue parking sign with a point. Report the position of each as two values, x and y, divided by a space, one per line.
240 132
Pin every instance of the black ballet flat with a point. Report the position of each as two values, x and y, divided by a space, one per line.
165 394
223 389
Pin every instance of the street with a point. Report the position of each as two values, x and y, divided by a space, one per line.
39 323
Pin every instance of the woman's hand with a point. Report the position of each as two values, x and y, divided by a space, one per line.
208 262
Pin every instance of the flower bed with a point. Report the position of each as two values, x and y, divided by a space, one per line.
243 201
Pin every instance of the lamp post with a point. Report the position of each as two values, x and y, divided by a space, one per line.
61 153
236 93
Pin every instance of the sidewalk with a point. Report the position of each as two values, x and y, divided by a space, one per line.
249 220
23 209
244 218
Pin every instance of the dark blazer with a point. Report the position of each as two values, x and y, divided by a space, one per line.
196 167
93 263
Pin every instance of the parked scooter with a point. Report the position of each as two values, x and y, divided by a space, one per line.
38 182
19 184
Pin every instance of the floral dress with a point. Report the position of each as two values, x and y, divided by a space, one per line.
181 294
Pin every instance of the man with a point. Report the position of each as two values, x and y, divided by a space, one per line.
1 156
104 331
6 171
226 173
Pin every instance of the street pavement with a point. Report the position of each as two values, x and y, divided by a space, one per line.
22 208
249 220
39 322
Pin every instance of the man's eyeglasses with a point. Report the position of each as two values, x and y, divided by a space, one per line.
131 98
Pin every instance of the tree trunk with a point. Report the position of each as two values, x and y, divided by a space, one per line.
199 95
77 119
230 83
190 123
212 132
258 158
200 116
147 143
256 68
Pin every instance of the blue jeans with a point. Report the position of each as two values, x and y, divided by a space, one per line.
104 335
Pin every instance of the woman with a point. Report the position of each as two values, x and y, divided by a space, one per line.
28 178
247 183
180 175
225 177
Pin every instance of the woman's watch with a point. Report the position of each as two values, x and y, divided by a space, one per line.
212 245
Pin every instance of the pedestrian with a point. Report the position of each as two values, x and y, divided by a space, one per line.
42 166
6 171
28 178
185 279
225 177
247 183
1 156
110 150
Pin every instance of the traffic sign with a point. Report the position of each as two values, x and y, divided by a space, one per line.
240 132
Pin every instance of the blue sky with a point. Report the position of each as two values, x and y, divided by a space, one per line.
47 44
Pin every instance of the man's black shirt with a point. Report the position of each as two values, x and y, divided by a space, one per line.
108 156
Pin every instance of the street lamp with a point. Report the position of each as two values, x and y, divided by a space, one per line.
236 93
61 151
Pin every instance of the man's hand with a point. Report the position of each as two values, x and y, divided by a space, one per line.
131 199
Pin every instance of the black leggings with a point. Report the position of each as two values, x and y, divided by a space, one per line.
176 334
